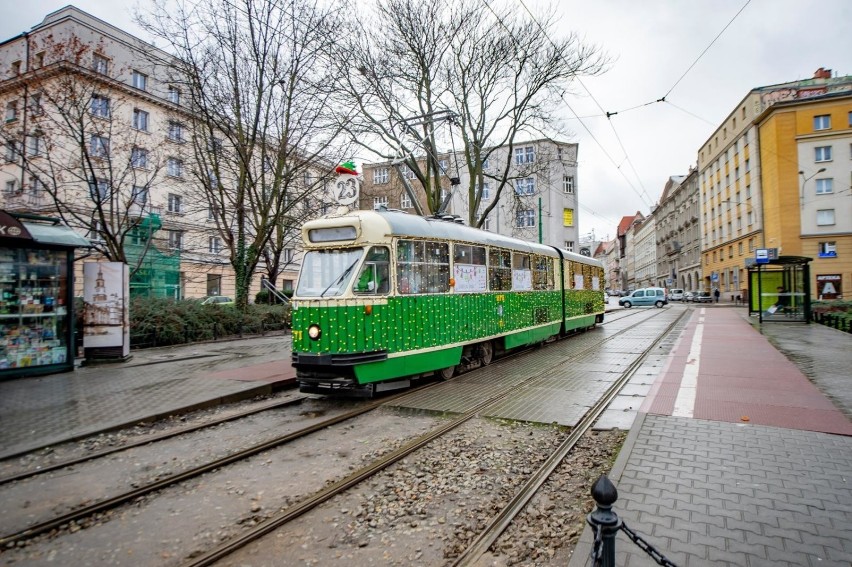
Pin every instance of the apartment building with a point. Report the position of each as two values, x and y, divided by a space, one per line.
98 130
806 157
679 233
540 202
742 206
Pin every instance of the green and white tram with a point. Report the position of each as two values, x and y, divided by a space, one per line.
384 296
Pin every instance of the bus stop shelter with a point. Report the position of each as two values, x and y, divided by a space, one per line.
780 290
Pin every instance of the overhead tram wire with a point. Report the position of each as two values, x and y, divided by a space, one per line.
645 199
706 49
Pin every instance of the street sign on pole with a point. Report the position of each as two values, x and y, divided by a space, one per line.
761 256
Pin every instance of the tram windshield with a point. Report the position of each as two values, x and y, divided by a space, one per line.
326 273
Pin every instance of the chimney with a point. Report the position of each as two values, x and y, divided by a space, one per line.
822 73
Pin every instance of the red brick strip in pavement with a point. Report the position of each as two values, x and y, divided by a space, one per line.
742 377
277 371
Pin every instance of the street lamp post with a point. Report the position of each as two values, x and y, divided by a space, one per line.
804 181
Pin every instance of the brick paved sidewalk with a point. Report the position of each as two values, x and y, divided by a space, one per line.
715 493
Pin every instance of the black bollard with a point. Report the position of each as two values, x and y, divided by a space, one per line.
604 522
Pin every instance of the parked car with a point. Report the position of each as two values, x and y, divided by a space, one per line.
218 300
676 295
689 295
703 297
645 296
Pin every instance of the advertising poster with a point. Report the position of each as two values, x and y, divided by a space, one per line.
105 318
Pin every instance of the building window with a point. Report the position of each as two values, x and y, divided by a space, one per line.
140 81
442 166
96 231
99 146
174 167
175 203
825 217
35 105
824 186
139 157
175 131
568 184
16 67
214 244
408 173
100 64
11 111
11 187
100 106
174 95
405 201
567 217
36 186
740 248
524 155
380 176
214 146
822 153
98 189
525 218
525 186
486 192
822 122
140 119
827 250
139 195
569 245
380 202
35 146
175 239
12 151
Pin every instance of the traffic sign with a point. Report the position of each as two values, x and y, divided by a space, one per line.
761 256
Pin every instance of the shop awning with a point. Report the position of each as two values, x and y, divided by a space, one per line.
56 234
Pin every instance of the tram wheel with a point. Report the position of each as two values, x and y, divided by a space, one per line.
486 353
447 373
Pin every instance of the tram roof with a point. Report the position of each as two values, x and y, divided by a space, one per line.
383 224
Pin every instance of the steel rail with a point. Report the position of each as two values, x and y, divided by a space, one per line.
148 439
502 521
311 502
114 501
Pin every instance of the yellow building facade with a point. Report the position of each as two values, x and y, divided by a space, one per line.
777 174
806 152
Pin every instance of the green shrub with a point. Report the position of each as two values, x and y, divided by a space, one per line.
162 322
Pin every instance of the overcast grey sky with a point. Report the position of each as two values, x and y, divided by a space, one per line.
625 161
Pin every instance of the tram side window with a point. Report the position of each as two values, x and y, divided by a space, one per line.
499 270
469 269
422 267
521 273
542 272
375 274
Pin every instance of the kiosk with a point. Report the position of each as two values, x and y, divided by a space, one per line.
36 295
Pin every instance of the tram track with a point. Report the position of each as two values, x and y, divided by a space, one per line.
485 539
123 498
148 439
58 522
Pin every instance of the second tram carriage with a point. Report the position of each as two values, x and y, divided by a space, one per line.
384 296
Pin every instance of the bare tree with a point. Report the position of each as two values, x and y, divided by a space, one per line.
499 73
79 157
256 74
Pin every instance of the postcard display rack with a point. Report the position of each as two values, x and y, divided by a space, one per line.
35 326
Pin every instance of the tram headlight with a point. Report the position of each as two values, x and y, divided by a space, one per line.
314 332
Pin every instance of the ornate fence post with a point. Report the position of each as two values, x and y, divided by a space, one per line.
604 522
